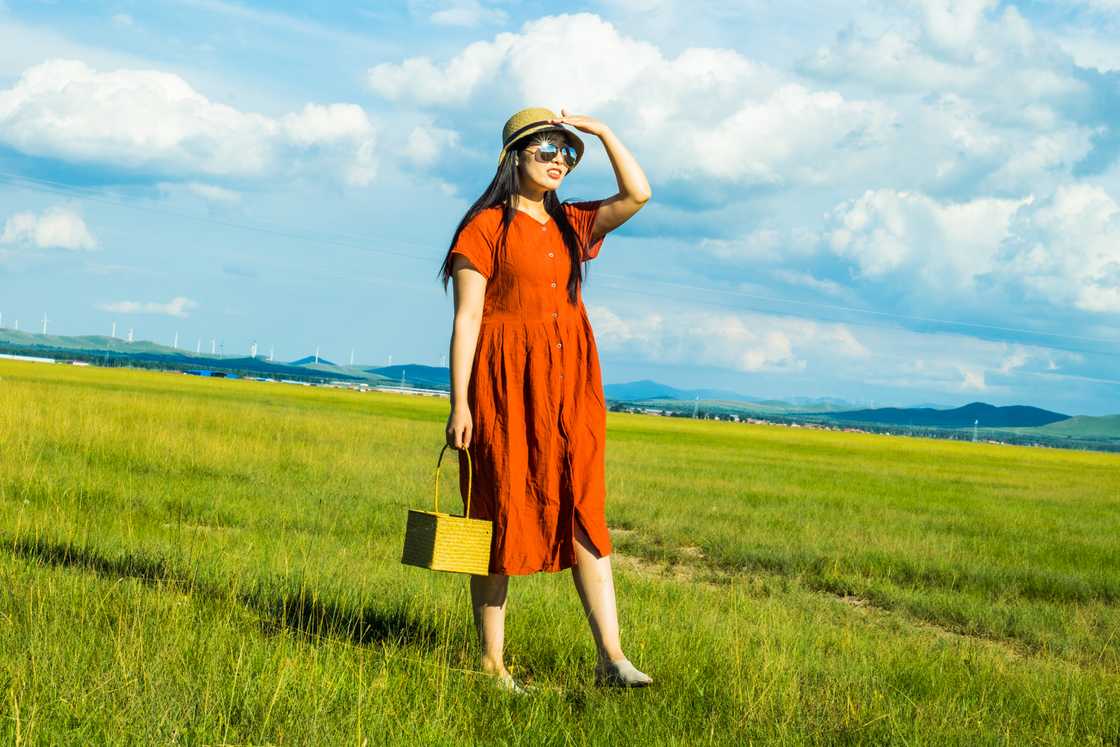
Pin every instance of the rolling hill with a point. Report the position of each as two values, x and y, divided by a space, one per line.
1085 426
309 360
437 377
989 416
645 390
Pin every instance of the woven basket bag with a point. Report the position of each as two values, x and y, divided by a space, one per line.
442 542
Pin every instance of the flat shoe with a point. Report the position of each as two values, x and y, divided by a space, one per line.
507 683
621 674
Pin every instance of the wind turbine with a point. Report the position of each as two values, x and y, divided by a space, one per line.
130 334
113 334
253 349
351 357
198 346
271 353
176 343
213 346
44 322
316 355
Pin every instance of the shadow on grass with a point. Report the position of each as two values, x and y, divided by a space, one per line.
295 610
282 603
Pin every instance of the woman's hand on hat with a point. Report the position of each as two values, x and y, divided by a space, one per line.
581 122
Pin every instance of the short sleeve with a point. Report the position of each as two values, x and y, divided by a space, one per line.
582 217
476 245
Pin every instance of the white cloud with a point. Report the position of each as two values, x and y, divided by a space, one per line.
1090 48
209 192
318 126
1016 359
124 20
885 232
1063 252
1101 6
785 137
177 307
952 25
151 120
1066 250
960 97
426 143
466 13
741 342
764 245
804 279
972 379
55 227
988 104
963 47
757 343
418 79
707 113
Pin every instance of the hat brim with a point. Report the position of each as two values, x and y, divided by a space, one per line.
577 142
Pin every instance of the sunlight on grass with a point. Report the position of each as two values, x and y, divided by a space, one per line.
210 561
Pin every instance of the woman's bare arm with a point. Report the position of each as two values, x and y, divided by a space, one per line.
470 291
633 187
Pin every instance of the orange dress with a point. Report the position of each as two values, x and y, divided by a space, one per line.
535 396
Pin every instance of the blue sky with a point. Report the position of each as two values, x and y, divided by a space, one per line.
891 202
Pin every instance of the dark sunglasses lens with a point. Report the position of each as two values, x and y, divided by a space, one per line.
546 151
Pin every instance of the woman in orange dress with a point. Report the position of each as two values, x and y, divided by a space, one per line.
526 388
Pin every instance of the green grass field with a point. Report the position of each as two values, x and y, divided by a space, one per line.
217 562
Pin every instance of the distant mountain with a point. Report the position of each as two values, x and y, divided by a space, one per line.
633 391
309 360
438 376
820 401
115 351
989 416
104 350
12 338
645 389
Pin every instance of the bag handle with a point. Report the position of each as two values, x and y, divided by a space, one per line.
467 510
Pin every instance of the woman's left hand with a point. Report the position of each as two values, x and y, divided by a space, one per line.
581 122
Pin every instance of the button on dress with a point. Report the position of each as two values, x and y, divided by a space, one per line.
535 395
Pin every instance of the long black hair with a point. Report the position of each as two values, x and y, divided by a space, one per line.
501 191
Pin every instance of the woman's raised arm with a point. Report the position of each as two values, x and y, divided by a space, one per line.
633 187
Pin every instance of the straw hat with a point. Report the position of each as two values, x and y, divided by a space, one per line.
533 120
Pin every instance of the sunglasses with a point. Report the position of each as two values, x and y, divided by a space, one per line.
546 153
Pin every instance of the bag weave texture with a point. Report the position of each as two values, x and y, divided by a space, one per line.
442 542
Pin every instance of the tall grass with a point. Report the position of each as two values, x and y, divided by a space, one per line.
201 561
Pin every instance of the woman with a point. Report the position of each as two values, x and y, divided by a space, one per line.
526 389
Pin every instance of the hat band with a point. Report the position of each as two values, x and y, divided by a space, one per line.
518 133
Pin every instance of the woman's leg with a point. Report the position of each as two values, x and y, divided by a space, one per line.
595 583
488 599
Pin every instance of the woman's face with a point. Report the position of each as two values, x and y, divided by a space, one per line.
543 175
